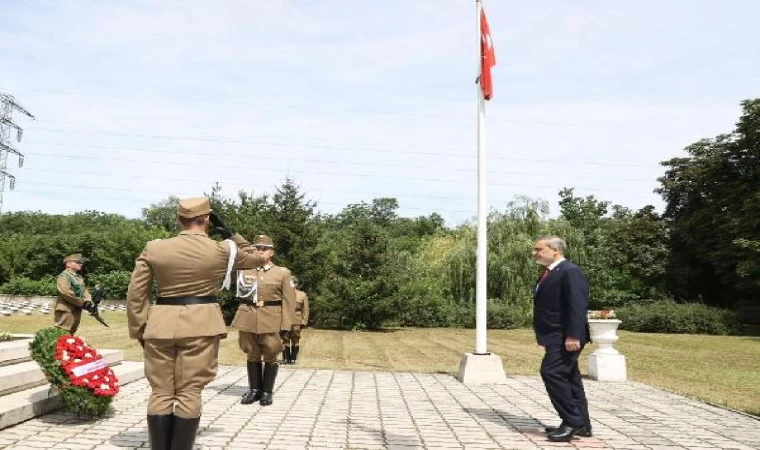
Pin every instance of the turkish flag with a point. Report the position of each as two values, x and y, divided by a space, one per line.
487 56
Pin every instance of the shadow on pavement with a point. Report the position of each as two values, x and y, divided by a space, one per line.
130 438
523 424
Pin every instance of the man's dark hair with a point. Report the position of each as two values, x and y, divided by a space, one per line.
198 220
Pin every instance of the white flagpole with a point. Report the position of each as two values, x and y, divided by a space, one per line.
481 301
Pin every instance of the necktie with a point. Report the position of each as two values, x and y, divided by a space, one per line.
544 275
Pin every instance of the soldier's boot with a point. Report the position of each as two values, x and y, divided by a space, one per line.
183 433
294 354
286 355
254 382
270 374
160 431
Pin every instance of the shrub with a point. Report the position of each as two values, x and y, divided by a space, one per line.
25 286
501 314
669 317
614 299
421 304
424 312
114 284
229 305
506 315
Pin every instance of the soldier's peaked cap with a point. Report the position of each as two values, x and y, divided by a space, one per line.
263 240
74 257
193 207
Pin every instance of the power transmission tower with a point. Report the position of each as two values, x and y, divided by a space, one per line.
8 104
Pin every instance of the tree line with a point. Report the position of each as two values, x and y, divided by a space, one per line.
367 267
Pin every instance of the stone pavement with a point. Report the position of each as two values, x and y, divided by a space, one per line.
327 409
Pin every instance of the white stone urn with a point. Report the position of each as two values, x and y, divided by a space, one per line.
605 363
604 333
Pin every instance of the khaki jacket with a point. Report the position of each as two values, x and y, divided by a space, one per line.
188 265
67 300
274 283
302 308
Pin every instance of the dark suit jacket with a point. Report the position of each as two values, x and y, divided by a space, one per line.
560 306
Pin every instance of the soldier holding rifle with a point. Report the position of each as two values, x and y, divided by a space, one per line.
73 295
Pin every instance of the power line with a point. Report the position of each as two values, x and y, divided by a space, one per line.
317 161
326 147
367 112
132 199
247 184
313 172
251 185
318 172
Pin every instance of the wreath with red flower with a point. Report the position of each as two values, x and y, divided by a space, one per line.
76 370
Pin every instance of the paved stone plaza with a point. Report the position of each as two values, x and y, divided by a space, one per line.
329 409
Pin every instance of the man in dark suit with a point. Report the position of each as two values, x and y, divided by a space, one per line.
561 324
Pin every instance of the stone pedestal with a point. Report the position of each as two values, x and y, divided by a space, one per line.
606 363
477 369
607 367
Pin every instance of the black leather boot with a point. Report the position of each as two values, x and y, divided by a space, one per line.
160 431
286 355
254 382
183 433
270 374
294 354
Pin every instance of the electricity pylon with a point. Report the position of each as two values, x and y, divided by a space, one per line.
8 105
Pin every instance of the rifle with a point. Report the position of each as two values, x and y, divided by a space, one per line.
92 308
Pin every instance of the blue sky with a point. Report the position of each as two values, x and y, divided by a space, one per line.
139 100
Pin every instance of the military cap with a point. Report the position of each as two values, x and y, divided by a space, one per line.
263 240
193 207
74 257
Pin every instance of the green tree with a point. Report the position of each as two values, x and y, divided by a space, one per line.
162 214
358 292
713 208
295 231
643 239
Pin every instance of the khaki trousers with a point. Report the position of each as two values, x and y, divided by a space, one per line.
67 320
255 346
293 337
178 370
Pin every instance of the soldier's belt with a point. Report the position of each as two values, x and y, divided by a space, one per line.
187 300
264 303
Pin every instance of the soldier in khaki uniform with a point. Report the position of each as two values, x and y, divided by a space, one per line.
72 294
267 308
293 337
180 333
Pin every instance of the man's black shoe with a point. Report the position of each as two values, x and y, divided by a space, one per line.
585 432
564 433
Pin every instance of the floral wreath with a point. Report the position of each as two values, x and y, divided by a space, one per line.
75 369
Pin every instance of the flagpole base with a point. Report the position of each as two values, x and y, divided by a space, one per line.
481 369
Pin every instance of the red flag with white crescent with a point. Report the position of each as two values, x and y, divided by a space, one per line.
487 56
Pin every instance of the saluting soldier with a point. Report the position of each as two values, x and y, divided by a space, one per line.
72 294
180 333
267 308
293 337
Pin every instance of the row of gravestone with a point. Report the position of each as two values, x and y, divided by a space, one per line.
26 308
23 308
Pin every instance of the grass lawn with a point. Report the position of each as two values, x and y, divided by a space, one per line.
723 370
